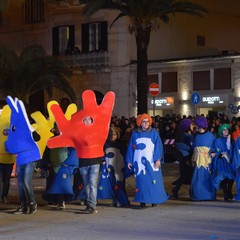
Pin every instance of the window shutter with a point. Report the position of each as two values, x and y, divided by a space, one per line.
103 43
71 37
55 41
85 38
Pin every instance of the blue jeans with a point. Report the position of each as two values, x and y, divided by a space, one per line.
25 187
90 181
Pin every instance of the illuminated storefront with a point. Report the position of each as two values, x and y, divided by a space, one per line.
160 105
212 104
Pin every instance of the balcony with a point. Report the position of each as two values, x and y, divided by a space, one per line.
86 61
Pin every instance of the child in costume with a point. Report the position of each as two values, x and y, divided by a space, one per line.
183 144
111 183
145 156
201 185
60 163
223 147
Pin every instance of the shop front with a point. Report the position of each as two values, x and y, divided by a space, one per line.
212 105
160 106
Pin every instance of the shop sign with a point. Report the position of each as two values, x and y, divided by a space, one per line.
214 100
161 102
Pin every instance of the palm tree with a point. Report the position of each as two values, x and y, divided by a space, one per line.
32 71
145 15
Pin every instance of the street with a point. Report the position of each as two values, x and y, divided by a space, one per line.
175 219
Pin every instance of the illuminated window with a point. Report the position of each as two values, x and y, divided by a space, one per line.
63 39
94 37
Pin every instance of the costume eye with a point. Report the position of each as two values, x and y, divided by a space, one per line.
13 128
88 120
5 131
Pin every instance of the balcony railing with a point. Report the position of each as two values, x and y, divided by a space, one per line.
92 60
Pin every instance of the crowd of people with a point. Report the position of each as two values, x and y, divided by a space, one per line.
207 149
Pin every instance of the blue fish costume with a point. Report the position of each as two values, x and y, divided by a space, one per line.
145 147
63 162
112 174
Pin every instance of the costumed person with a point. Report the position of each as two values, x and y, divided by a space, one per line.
6 160
236 167
201 185
60 164
21 141
112 177
44 125
144 157
87 132
222 162
183 144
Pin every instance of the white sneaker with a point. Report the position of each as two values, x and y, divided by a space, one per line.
61 206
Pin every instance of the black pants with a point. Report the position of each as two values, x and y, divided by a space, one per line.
5 176
185 172
226 186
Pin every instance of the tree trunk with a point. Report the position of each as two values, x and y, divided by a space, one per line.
142 41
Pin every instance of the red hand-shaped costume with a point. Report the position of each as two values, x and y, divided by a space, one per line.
88 140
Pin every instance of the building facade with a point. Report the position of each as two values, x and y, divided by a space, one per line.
188 57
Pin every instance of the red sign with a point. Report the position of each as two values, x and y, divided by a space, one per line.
154 89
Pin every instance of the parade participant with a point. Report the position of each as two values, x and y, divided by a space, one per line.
60 163
112 177
21 141
145 156
223 147
183 144
201 184
236 167
87 132
6 160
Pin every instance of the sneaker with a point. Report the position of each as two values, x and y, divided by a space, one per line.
89 210
83 202
33 208
118 204
61 206
21 210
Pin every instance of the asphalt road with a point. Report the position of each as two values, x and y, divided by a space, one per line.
175 219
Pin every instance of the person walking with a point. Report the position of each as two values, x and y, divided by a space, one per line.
201 185
144 157
112 171
183 144
222 162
